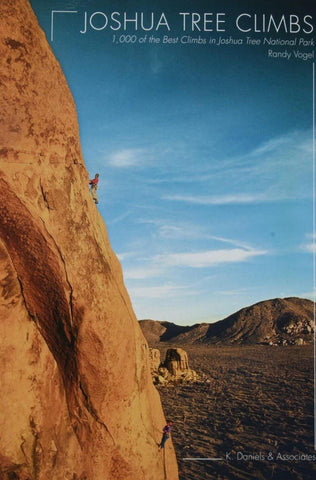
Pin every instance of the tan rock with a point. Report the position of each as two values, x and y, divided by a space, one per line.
164 372
175 369
176 361
155 360
77 400
159 379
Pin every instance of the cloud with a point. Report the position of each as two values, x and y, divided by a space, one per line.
230 293
141 273
272 145
276 169
188 231
128 158
119 218
174 231
310 245
123 255
207 258
161 291
221 199
288 144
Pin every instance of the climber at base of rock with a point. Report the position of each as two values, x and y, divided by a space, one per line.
94 187
165 434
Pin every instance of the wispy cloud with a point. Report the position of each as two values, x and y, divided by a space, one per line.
309 247
221 199
208 258
276 169
310 244
295 141
292 150
129 157
119 218
124 255
161 291
142 273
188 231
229 293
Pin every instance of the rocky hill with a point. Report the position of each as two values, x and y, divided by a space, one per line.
77 400
156 331
278 321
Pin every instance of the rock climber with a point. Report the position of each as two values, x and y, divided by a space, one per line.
165 433
94 187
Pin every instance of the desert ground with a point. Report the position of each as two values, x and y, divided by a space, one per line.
259 402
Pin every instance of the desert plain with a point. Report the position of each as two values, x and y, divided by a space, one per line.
253 419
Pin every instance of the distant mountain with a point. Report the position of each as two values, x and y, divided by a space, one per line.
155 331
265 322
278 321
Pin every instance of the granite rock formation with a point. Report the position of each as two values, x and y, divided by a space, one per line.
174 370
176 361
77 400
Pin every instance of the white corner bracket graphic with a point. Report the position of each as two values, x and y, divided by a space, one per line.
52 20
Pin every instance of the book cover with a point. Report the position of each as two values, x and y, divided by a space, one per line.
197 119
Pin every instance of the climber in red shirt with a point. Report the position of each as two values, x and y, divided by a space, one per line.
94 187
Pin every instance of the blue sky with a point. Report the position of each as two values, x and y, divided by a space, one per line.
204 154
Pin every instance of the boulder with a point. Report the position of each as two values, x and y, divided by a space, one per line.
176 361
77 400
175 369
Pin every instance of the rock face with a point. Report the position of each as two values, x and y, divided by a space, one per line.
77 400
